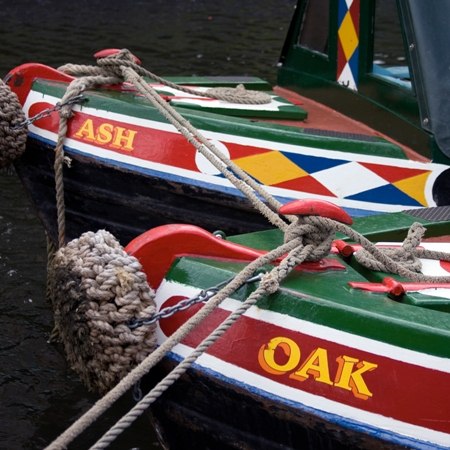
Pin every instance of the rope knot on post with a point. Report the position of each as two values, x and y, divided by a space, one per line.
314 223
313 232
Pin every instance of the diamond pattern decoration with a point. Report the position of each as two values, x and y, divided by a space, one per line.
410 181
338 178
306 184
348 43
312 164
394 173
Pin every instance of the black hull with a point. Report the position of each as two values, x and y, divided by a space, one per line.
210 414
126 203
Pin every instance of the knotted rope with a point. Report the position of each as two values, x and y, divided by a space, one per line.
269 281
407 255
307 239
13 135
97 288
402 261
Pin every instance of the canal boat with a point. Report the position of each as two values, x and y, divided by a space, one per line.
337 126
340 356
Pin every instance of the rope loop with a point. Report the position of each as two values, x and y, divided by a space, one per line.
406 255
238 95
115 63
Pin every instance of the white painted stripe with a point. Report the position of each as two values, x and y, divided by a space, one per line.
243 140
169 288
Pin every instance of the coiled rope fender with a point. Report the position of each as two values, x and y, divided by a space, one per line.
96 290
13 135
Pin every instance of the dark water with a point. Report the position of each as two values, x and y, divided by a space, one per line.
39 395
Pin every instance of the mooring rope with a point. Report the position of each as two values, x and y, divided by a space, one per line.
230 170
306 238
75 88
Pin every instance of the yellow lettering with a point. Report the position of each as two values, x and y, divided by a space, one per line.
86 131
316 365
281 356
104 133
123 138
347 378
266 355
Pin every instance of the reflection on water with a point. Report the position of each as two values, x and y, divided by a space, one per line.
40 395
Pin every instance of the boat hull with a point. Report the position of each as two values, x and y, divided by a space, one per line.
210 413
100 196
131 170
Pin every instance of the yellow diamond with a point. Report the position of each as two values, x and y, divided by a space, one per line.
270 168
348 36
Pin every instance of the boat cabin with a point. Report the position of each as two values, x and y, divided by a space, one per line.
331 55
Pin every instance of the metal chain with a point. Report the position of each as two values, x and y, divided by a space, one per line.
47 112
203 296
